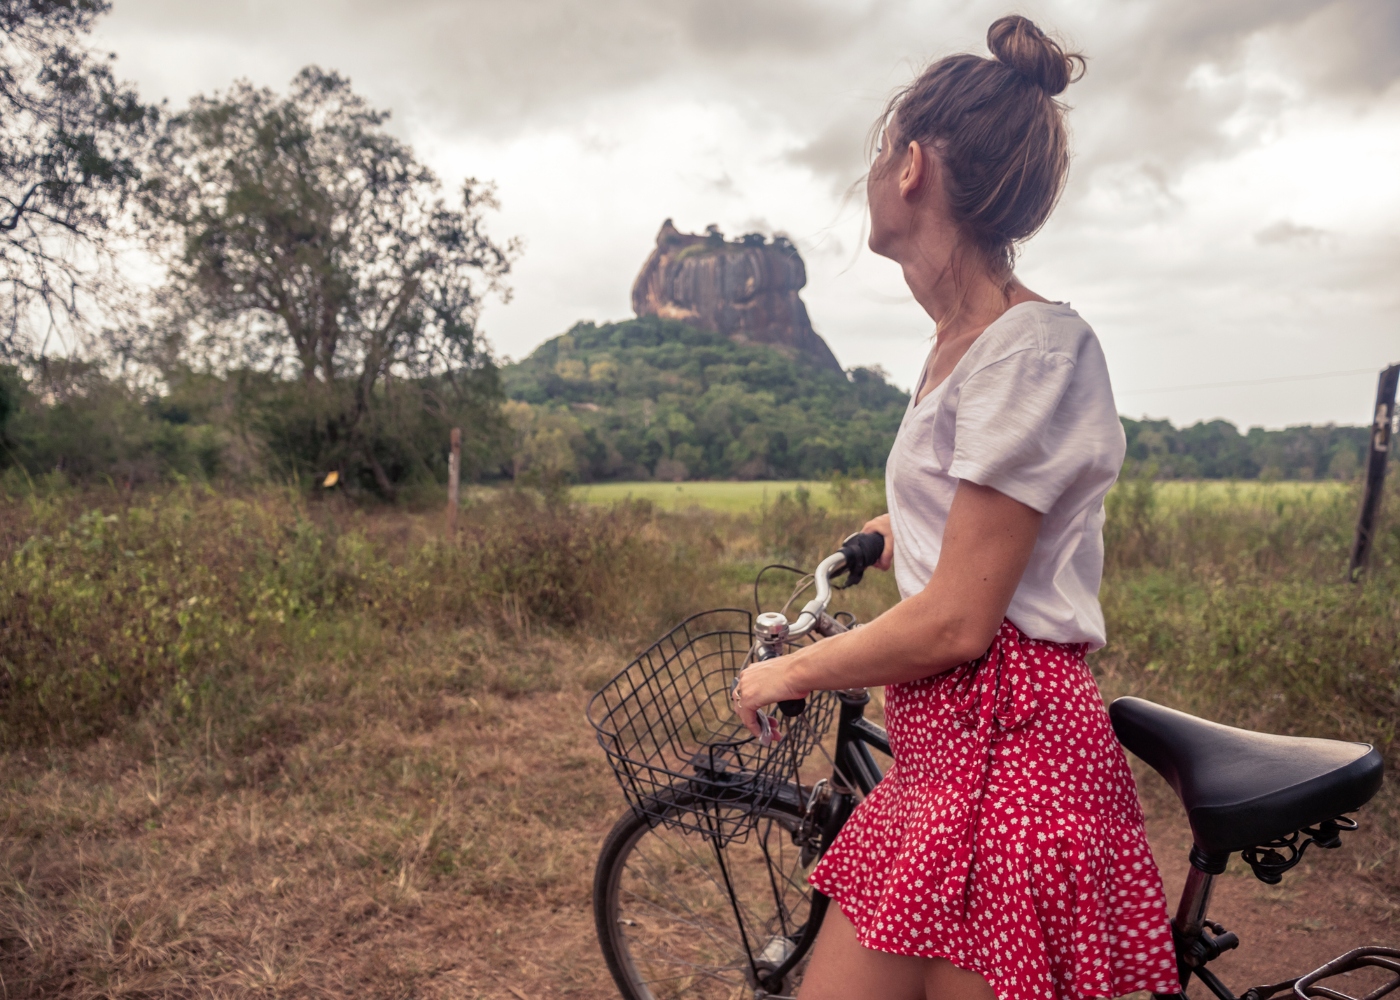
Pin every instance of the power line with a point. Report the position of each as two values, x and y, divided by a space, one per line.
1251 381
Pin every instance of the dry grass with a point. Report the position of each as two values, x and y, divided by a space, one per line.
410 852
397 795
379 783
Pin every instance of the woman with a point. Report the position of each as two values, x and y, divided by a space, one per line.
1004 853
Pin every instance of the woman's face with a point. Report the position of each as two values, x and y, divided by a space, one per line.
889 209
909 210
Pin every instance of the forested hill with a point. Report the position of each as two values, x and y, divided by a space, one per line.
652 397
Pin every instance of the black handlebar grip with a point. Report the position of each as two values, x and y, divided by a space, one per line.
793 708
862 550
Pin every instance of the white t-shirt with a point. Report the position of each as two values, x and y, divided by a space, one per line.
1028 411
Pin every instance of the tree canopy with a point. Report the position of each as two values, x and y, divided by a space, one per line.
308 244
71 136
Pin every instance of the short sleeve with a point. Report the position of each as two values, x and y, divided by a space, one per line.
1005 433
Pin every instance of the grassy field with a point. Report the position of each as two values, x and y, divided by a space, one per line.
749 496
729 497
255 746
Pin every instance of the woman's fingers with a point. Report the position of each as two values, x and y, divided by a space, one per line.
882 525
750 719
761 685
748 714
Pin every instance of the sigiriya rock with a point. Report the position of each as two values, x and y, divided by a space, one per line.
745 289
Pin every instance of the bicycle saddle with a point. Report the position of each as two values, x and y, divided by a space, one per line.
1240 788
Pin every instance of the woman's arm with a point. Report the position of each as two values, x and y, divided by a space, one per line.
986 546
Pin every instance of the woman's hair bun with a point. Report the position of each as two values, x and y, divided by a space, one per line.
1018 43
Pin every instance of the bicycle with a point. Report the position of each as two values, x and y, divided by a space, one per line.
700 888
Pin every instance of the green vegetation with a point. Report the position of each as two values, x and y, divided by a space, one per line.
748 497
235 719
72 421
728 497
1233 603
653 398
113 603
1216 449
179 600
318 306
300 236
677 404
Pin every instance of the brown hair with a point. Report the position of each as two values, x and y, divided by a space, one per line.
999 132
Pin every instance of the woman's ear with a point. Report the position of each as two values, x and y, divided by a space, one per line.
914 176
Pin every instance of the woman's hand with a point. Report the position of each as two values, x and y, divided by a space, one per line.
987 543
762 684
882 525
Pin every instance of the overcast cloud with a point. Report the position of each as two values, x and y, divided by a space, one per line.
1233 211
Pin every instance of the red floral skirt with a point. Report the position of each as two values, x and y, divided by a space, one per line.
1007 838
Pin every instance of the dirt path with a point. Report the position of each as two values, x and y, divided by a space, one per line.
451 859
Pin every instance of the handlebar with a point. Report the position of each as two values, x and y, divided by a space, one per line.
859 552
862 550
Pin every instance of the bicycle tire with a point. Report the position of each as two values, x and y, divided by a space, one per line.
701 951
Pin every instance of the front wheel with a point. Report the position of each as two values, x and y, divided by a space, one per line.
670 926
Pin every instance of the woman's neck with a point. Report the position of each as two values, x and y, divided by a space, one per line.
960 314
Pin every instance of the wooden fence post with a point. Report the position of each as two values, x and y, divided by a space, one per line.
454 482
1376 457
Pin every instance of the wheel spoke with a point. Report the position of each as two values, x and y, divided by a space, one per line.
707 928
674 928
702 862
662 885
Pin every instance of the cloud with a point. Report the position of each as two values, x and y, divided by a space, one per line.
837 152
1219 148
1285 231
508 65
727 28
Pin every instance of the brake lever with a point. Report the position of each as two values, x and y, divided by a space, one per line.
769 734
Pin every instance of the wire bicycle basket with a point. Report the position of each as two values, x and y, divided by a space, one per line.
677 748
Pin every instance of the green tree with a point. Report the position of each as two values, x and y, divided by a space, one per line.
70 139
311 245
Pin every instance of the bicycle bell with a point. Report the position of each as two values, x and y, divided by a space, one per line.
771 631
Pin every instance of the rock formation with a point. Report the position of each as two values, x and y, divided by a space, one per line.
745 289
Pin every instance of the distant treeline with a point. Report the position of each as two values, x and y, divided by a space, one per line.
72 422
642 399
658 399
1216 449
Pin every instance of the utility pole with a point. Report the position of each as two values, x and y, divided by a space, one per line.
1376 457
454 482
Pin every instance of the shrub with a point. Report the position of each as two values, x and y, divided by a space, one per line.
1233 602
106 609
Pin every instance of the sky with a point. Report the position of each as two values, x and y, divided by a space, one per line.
1232 214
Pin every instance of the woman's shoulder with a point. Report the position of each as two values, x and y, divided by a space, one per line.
1052 330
